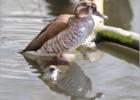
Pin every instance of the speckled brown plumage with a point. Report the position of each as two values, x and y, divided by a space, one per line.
66 32
50 31
71 37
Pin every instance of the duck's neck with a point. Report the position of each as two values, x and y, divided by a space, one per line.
83 18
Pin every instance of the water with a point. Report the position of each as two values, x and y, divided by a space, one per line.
20 21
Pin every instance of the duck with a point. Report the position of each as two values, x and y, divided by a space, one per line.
66 32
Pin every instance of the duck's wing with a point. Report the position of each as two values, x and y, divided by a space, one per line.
51 30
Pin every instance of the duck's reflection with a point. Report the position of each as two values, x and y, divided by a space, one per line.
69 80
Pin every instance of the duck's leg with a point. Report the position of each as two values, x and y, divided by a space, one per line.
60 60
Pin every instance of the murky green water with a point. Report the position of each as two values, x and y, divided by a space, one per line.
20 21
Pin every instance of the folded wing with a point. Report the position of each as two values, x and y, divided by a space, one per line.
51 30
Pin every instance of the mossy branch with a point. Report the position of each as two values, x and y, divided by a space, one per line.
117 35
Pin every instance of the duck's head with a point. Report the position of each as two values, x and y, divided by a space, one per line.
86 8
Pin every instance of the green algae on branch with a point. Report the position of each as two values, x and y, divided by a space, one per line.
117 35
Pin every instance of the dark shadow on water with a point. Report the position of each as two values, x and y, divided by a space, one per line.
58 7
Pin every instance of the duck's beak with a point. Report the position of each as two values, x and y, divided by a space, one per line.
97 13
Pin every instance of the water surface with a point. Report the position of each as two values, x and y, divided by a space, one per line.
20 21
